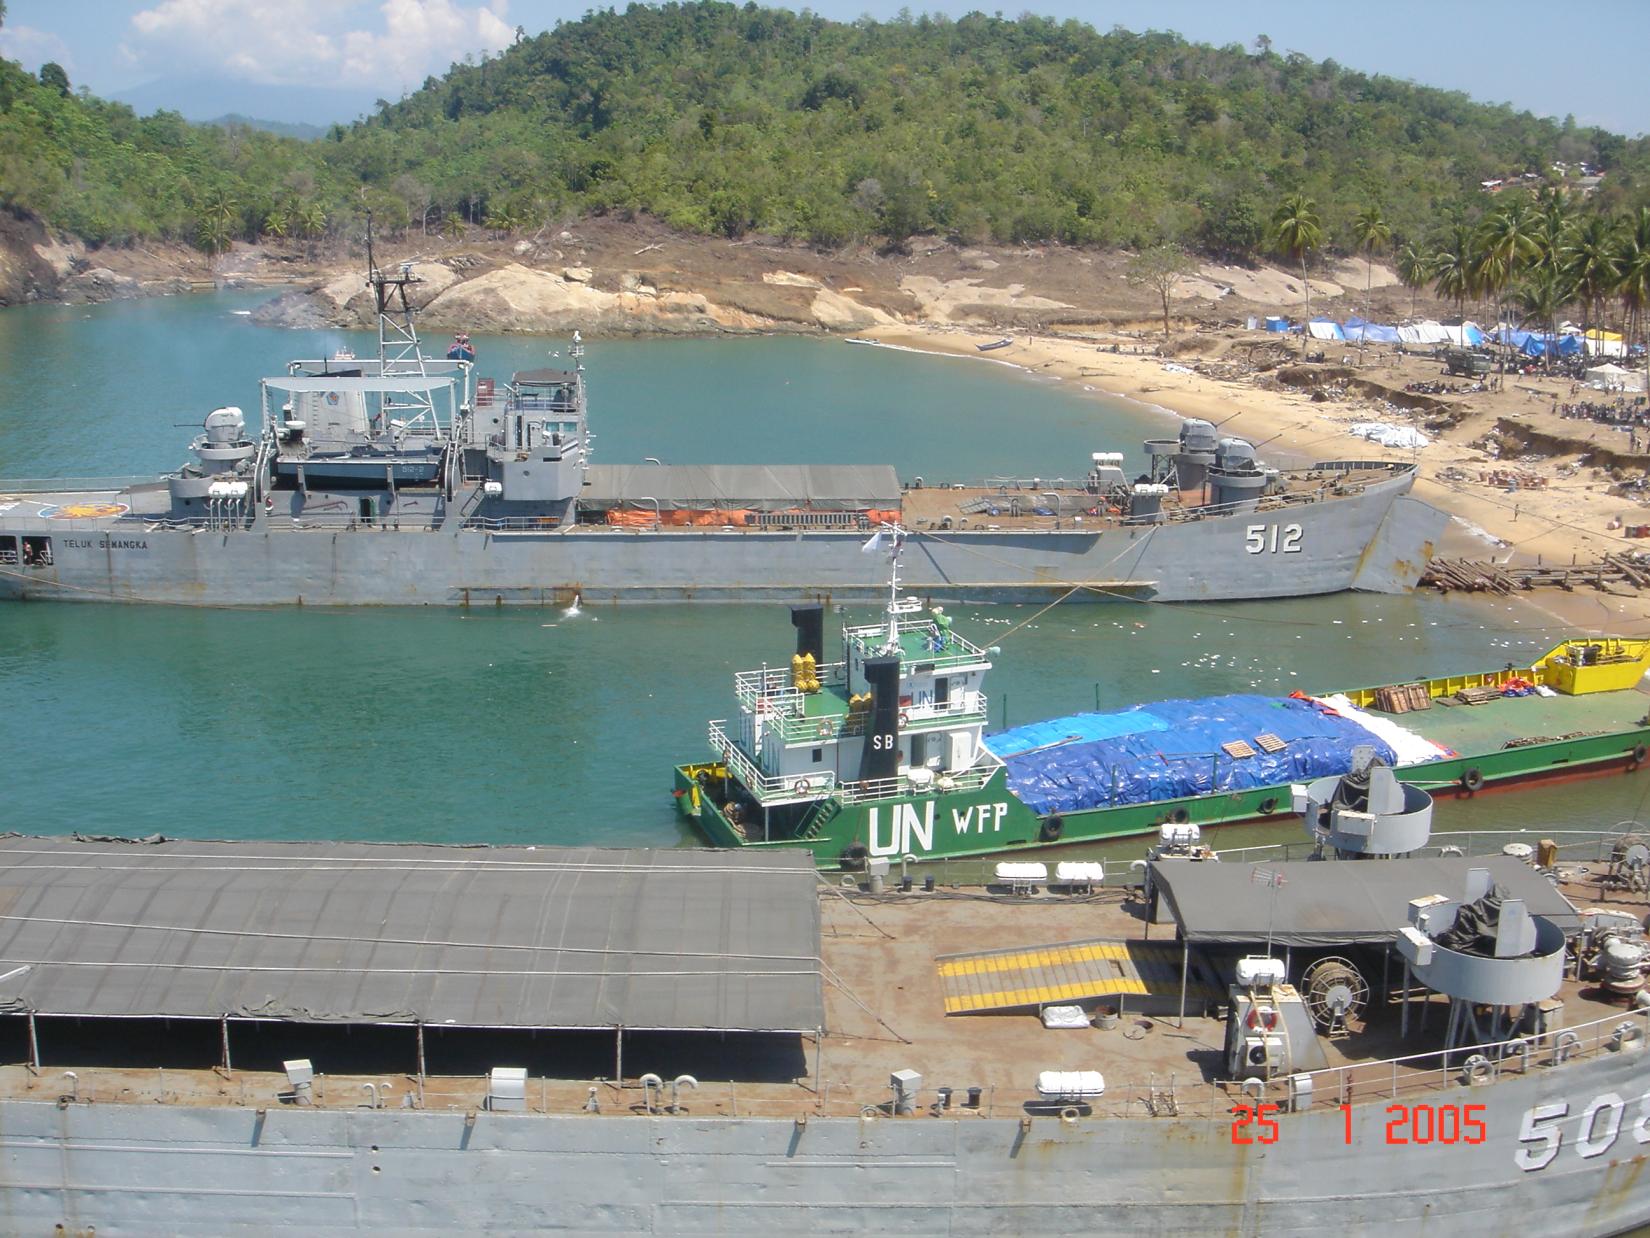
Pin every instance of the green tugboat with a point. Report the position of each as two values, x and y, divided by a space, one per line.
884 754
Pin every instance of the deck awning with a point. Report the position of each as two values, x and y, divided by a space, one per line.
818 487
1335 903
465 937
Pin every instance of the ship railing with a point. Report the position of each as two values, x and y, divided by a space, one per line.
1574 846
314 523
1462 1070
76 485
1443 1076
957 650
792 788
772 691
871 790
797 727
513 524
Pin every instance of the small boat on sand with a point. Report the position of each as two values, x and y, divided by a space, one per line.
995 344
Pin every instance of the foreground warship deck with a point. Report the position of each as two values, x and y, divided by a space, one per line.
775 1130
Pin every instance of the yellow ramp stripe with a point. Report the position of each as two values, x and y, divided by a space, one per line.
1063 972
980 964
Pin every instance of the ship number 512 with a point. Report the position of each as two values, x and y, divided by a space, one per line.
1272 538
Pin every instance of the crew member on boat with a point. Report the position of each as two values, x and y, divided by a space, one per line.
462 350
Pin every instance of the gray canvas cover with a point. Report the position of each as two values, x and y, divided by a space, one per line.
774 487
462 936
1343 902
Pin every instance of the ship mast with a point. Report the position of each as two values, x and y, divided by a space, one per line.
398 350
897 605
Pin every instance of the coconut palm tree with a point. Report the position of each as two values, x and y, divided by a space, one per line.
1590 261
1633 264
1546 290
1455 265
1296 232
1505 247
1371 230
1414 271
311 221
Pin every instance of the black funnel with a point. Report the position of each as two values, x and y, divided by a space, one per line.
809 622
881 756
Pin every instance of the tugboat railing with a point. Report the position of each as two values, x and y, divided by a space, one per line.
791 788
872 790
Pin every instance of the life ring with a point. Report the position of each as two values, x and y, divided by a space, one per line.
1640 752
904 719
269 502
1179 817
1267 806
824 729
853 855
1472 780
801 786
1052 829
1477 1070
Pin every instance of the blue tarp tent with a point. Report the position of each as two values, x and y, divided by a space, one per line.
1370 332
1325 329
1277 324
1172 749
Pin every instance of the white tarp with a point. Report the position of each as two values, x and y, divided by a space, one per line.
1427 332
1388 435
1605 348
1608 377
1410 748
1326 330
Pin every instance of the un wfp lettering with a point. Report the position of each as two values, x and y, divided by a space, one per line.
911 833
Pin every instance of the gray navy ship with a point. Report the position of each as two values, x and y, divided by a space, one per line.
241 1038
400 479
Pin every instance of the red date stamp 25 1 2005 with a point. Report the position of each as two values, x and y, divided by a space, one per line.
1405 1124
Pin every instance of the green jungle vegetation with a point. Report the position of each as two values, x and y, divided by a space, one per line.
722 119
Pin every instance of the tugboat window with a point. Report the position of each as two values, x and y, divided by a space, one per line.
37 552
819 755
8 551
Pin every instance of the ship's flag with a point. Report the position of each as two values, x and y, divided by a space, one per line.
874 545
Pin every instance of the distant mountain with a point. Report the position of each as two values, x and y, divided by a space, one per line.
287 129
208 100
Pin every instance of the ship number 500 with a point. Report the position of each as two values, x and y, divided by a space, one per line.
1272 538
1596 1131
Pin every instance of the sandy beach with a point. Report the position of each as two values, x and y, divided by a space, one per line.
1566 520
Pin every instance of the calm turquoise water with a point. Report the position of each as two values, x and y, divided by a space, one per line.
122 388
534 726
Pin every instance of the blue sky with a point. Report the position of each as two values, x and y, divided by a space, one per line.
1548 58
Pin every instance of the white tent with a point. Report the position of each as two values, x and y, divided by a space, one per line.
1611 377
1427 332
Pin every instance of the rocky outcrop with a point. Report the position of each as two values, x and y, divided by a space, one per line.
515 297
32 264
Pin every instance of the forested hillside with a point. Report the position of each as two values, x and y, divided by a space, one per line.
728 119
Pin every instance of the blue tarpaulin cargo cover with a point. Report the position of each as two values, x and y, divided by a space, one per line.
1172 749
